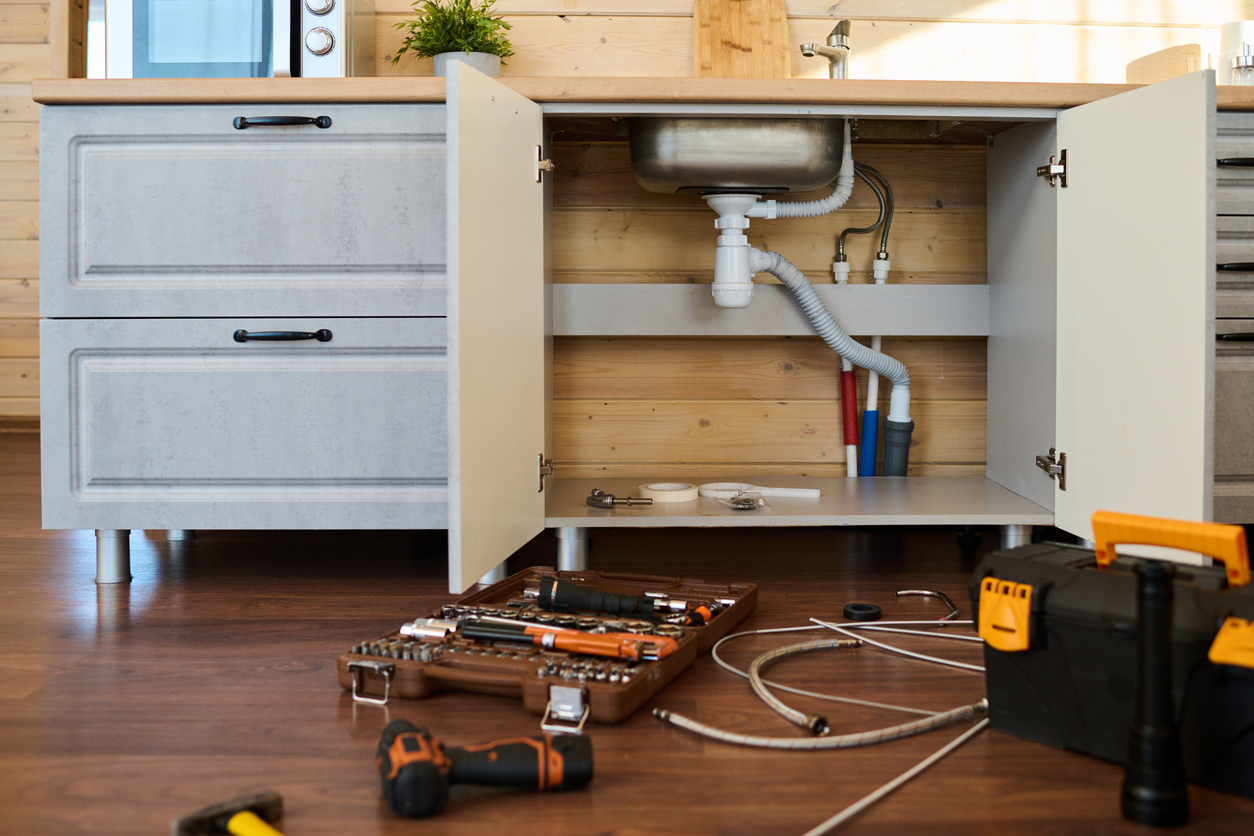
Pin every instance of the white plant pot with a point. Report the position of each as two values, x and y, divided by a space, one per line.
481 61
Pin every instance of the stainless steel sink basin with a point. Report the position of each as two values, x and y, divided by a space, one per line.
756 156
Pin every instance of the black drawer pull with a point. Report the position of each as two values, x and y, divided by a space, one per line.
1236 338
323 336
242 122
1236 267
1236 162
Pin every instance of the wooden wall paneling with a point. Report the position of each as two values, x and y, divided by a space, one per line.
24 23
19 378
1186 13
25 62
725 432
891 49
18 408
768 369
19 218
19 338
20 180
16 104
19 141
619 245
19 259
19 299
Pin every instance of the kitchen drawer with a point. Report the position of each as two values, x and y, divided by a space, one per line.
1234 185
1234 424
170 211
174 424
1234 245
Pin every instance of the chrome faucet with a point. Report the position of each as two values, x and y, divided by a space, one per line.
836 52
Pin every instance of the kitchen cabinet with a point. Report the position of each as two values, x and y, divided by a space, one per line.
1099 313
412 236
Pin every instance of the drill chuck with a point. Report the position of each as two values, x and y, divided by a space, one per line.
416 769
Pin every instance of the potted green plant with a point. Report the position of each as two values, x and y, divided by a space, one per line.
456 30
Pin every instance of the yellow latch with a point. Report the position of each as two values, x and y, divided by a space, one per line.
1234 644
1005 614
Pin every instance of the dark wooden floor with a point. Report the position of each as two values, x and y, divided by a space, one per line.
212 675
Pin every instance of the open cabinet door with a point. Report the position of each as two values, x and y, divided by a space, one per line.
1136 295
496 324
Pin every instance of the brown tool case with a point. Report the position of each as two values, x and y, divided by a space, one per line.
566 688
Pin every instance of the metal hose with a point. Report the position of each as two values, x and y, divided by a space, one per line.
814 722
843 741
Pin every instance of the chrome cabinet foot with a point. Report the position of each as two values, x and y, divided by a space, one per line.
113 555
1015 535
572 549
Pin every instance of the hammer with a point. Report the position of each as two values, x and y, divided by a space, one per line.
245 816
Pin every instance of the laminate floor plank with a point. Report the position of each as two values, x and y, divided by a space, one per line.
212 675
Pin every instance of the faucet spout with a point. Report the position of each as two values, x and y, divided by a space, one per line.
837 50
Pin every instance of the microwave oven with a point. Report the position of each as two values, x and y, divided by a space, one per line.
238 38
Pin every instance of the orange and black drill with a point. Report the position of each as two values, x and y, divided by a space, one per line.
417 770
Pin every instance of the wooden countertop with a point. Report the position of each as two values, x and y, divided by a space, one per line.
551 90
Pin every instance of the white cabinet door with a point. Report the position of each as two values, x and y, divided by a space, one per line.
496 324
1136 287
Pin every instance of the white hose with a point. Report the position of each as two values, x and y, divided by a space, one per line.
829 204
831 332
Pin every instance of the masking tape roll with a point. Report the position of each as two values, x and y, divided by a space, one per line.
668 491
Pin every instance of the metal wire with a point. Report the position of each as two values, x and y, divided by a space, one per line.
841 628
843 741
867 800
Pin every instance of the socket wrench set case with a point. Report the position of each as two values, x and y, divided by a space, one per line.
566 687
1061 651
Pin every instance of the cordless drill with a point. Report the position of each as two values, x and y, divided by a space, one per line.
416 769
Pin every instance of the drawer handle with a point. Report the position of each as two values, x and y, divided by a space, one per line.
1236 267
1237 162
322 336
1236 338
242 122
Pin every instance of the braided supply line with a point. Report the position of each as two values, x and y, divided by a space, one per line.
843 741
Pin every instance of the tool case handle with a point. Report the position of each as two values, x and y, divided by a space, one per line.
1222 542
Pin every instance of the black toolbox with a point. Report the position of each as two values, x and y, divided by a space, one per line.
1061 646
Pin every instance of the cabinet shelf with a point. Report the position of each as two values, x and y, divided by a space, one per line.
915 500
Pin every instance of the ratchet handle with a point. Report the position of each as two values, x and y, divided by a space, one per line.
563 596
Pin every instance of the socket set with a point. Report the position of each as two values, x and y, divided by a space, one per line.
573 646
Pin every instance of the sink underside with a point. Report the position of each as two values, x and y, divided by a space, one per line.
671 155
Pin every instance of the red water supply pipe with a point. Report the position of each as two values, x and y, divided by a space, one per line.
849 405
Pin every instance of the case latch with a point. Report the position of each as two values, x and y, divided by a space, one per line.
1234 644
359 669
567 710
1005 614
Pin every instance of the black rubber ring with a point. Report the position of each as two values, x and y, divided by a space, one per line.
862 612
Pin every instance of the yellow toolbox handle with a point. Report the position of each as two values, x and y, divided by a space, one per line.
1222 542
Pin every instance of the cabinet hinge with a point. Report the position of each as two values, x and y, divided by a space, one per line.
545 468
543 165
1055 171
1055 465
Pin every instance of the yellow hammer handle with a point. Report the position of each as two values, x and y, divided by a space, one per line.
249 823
1223 542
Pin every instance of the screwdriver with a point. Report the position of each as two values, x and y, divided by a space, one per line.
563 596
632 646
417 769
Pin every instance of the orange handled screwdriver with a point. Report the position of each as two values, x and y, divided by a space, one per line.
632 646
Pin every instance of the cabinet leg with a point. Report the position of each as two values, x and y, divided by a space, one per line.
572 549
1015 535
113 555
1088 544
494 575
180 534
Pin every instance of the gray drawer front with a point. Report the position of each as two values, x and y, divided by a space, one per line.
1234 187
1234 292
1234 424
171 211
174 424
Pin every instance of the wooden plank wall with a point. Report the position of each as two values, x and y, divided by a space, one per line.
26 52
